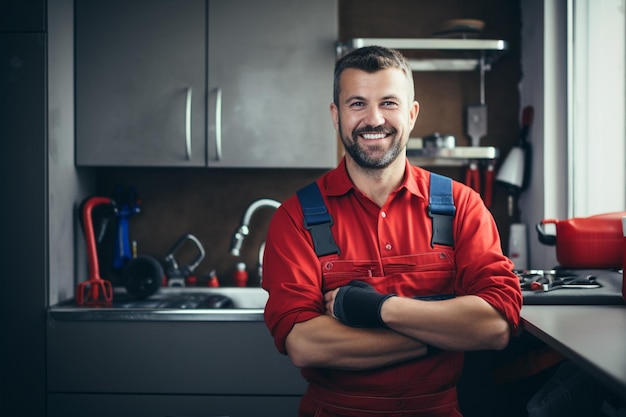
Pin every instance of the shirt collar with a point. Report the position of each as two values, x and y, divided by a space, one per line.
338 181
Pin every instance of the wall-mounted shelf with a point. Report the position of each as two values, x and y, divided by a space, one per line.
448 156
458 54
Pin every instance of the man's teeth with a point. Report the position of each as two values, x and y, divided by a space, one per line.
374 135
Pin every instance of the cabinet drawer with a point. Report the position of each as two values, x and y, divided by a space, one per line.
107 405
211 358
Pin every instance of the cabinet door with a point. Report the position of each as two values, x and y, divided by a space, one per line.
140 83
168 357
270 83
22 15
120 405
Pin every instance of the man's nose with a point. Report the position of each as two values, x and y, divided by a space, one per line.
374 116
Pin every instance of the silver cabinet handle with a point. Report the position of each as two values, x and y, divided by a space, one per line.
218 124
188 124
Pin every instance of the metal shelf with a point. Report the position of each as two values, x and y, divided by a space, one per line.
465 54
453 156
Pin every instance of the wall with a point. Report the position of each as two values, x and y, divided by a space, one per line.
66 183
545 87
210 203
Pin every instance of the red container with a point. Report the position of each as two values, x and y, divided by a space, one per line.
624 258
587 242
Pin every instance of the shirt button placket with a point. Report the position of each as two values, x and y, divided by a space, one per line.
388 245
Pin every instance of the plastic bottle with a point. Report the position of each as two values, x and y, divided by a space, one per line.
213 281
241 275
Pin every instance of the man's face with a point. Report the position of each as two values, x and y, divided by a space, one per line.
374 116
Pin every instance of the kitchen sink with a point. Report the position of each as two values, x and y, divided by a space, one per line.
195 298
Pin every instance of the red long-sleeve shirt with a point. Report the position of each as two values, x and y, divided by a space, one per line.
390 248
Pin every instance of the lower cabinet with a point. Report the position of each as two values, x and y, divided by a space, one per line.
119 405
168 368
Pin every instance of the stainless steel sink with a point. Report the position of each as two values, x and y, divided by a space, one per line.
195 298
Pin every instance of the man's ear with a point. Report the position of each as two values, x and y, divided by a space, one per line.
413 112
334 113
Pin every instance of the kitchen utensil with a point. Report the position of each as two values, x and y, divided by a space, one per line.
432 143
476 119
569 282
212 280
95 290
624 257
548 280
586 242
489 178
518 246
460 28
176 275
127 204
516 169
142 276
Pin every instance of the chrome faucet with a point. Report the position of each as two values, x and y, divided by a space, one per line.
243 230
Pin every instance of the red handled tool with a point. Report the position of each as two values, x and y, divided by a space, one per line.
472 176
490 176
95 291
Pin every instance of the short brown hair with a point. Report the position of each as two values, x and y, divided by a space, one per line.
372 59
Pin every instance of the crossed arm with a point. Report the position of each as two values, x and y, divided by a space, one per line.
461 323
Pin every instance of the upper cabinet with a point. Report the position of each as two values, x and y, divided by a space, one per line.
270 83
23 16
142 97
140 83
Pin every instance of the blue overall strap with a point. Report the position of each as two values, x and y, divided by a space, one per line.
317 220
441 209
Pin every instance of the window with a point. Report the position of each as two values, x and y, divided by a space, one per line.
596 107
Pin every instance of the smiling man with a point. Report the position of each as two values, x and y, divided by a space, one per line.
378 305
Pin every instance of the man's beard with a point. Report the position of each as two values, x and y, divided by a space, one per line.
361 155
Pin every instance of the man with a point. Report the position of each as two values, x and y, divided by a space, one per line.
379 328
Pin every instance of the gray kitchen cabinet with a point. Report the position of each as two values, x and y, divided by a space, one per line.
168 368
270 75
142 97
140 83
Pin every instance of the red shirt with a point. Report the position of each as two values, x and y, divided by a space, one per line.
390 248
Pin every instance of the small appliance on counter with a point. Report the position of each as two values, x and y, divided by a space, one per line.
587 242
624 256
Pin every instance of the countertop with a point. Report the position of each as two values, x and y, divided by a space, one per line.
249 302
247 305
592 336
586 326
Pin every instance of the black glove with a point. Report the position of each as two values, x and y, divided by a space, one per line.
358 304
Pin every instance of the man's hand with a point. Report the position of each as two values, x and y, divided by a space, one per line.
357 304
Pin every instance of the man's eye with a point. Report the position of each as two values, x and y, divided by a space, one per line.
389 103
357 104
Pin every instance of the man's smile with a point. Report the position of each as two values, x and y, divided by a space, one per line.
373 136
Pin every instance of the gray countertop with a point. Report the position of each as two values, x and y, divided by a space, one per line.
593 336
246 304
144 314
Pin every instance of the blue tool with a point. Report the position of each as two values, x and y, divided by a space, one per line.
127 206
